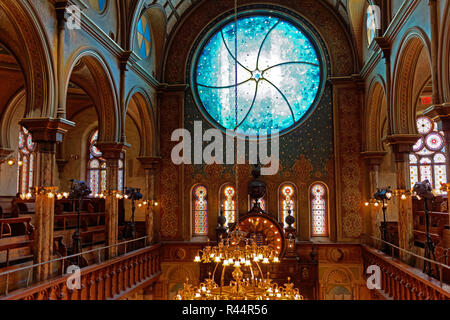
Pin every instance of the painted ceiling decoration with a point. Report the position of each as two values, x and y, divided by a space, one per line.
175 9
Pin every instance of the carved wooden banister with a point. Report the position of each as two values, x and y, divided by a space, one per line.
110 280
400 281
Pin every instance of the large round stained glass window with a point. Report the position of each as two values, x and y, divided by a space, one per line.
279 75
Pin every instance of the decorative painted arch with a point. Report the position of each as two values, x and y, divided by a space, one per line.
403 106
105 98
375 113
147 124
25 38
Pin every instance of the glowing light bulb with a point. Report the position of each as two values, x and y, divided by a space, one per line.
403 197
20 163
197 259
51 195
66 195
11 162
28 196
366 204
265 261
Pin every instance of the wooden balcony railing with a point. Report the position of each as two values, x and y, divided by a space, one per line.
400 281
110 280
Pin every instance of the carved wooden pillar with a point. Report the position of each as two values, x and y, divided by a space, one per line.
46 134
373 159
152 221
111 153
401 147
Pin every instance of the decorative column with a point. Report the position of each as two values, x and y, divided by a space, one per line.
152 221
61 15
111 152
401 147
373 159
46 134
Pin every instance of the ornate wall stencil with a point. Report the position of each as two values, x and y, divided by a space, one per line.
350 167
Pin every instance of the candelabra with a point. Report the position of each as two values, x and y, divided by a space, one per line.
384 195
78 190
423 190
133 194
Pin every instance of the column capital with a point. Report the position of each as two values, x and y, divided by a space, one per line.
112 150
401 145
150 163
439 112
373 158
47 129
385 46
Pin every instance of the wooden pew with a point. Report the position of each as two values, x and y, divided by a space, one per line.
6 206
69 221
13 227
22 207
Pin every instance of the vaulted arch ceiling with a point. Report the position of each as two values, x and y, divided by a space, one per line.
175 9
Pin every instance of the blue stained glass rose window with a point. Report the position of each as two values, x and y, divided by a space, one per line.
278 75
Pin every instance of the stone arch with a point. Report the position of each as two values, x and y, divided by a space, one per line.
25 38
340 278
139 103
406 62
88 69
7 118
375 113
158 24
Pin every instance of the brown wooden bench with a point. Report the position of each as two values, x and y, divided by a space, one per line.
12 227
23 207
6 206
15 250
68 221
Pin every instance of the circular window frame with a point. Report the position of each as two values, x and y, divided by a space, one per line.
212 28
103 12
136 44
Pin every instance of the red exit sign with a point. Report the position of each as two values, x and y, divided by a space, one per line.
426 100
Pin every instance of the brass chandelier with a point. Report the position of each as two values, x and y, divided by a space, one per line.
239 254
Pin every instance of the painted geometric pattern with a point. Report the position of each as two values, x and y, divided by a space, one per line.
288 203
428 162
98 5
143 37
200 211
318 205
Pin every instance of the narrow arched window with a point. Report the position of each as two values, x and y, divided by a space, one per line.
96 171
200 208
228 203
287 201
26 161
319 210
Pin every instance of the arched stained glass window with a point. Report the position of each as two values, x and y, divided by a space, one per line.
144 40
97 167
227 194
287 202
428 162
319 211
200 211
278 69
98 5
26 161
371 23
